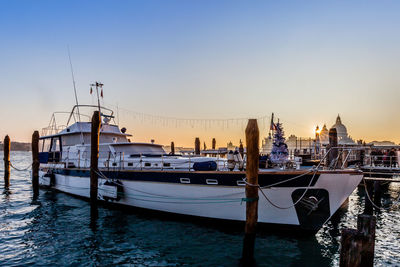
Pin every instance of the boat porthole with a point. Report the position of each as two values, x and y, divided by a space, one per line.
185 180
212 181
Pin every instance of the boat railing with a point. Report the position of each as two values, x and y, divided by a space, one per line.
334 158
53 129
381 161
341 157
119 161
55 126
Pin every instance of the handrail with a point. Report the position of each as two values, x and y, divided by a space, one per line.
160 162
91 106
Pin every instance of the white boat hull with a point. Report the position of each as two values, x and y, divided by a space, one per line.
211 201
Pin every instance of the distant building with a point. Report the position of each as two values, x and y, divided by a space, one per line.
343 137
231 146
324 135
381 143
296 145
301 145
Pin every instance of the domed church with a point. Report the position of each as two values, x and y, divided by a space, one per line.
343 137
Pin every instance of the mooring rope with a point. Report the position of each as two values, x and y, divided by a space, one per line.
18 169
372 202
313 169
276 205
290 179
217 199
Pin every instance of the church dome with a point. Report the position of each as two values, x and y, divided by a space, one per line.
324 135
324 130
340 128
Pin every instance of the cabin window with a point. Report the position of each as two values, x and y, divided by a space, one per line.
185 180
147 164
167 164
130 163
55 145
212 181
114 164
45 145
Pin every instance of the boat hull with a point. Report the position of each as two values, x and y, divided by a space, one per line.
216 195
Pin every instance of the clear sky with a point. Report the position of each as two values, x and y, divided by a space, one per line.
306 61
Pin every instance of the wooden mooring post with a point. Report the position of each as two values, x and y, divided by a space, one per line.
241 149
252 142
6 149
35 162
197 146
172 148
369 191
357 246
213 146
94 157
377 194
333 143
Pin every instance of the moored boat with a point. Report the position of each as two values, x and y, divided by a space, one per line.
142 175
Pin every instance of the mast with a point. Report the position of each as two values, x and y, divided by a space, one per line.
76 96
73 83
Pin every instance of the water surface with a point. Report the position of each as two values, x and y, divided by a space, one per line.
58 229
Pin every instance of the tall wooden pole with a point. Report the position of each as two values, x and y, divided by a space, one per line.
333 143
213 146
241 149
252 144
172 148
6 148
94 156
197 146
358 246
369 189
35 162
377 193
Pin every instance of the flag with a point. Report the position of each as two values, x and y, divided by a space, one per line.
272 126
91 90
101 94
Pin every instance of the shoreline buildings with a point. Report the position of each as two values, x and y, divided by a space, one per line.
303 146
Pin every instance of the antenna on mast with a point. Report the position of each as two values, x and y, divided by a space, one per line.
73 82
98 84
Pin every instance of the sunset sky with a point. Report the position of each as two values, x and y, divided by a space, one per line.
306 61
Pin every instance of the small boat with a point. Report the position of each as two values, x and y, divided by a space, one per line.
143 175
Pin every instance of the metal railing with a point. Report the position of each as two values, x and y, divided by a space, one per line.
116 161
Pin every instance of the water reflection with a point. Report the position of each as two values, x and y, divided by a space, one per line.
57 228
94 215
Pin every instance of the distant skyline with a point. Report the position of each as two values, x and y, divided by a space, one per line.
306 61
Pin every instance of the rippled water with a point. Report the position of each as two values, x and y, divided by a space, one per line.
57 229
